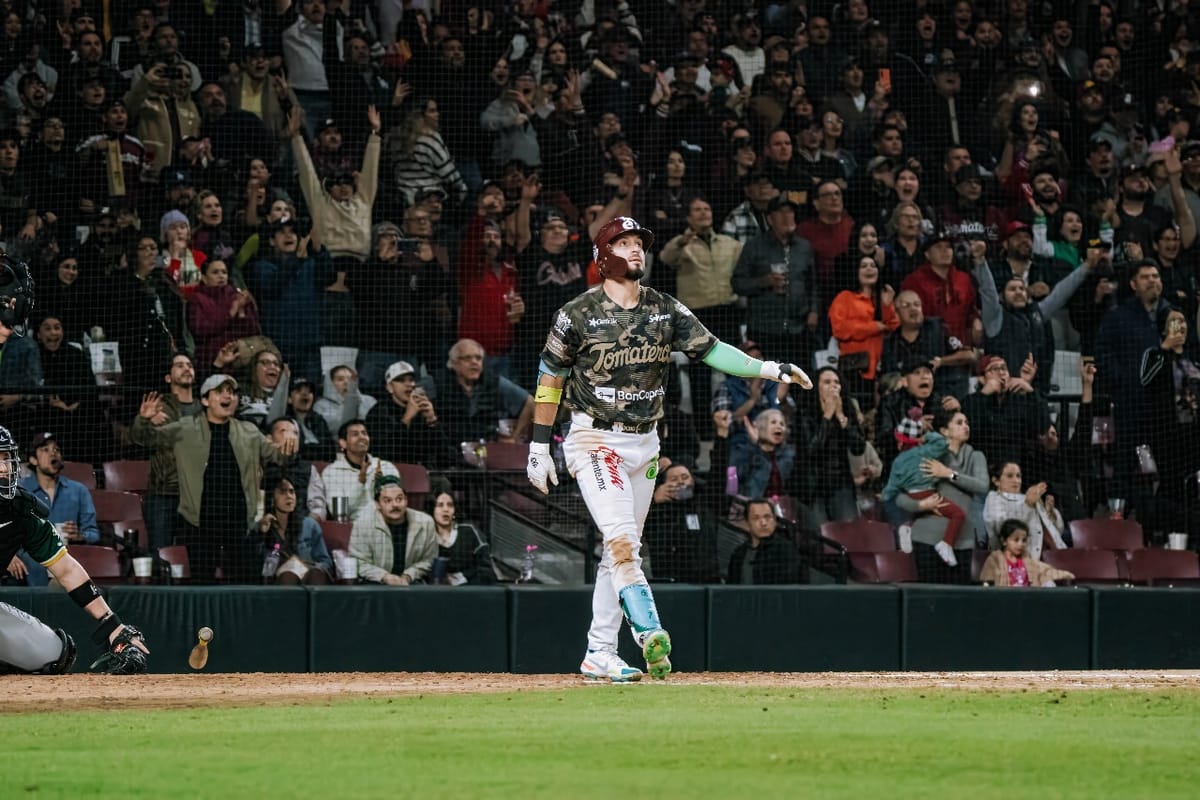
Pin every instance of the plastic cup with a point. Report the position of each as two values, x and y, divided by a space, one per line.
143 567
1177 541
177 571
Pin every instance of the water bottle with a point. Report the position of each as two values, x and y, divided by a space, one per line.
481 454
731 481
270 564
526 575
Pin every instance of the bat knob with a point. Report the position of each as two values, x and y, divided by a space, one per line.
205 634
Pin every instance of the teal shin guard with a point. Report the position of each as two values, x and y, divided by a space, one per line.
638 604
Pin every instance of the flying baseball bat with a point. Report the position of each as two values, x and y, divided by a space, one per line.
199 654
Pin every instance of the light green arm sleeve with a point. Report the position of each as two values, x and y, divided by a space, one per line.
732 361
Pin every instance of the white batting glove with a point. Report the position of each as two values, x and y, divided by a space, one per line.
540 467
786 373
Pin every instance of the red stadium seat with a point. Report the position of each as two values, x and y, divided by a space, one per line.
176 554
416 484
116 506
1089 566
861 535
337 534
1154 567
127 476
894 567
140 538
1106 534
79 471
507 456
103 564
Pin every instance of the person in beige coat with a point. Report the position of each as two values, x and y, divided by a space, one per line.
375 538
1009 566
704 261
164 90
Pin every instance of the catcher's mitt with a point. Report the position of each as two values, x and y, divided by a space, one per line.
123 656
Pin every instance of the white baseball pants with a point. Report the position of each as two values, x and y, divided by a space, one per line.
616 473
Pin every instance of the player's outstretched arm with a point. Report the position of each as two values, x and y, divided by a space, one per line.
732 361
126 649
540 467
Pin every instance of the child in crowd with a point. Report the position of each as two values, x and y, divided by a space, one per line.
1008 566
907 476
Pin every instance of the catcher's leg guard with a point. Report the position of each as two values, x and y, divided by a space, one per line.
29 646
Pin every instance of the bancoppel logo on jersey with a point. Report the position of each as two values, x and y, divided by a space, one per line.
606 394
600 322
646 394
658 318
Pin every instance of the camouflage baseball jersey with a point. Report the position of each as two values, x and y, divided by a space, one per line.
619 357
23 523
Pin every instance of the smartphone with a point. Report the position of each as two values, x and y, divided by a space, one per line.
885 79
409 246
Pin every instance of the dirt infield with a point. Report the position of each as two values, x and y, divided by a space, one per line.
79 692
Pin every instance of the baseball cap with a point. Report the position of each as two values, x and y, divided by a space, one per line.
1132 169
1015 227
329 122
176 177
1096 142
216 382
1124 102
982 366
1190 150
299 381
909 367
755 176
781 201
879 163
431 191
39 440
1096 243
398 370
968 172
1086 86
938 236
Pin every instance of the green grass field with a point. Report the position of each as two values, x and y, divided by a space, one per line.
657 741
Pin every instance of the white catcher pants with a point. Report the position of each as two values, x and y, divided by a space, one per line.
616 473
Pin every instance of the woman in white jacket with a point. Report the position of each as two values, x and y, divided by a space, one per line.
1006 501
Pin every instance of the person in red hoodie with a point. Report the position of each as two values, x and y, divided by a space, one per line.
946 291
487 285
219 313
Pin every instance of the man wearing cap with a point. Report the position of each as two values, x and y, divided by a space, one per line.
945 291
70 503
1015 326
968 216
610 348
404 427
1141 219
1005 412
218 460
776 274
1018 261
552 272
316 442
353 473
395 545
749 219
1100 177
923 339
913 401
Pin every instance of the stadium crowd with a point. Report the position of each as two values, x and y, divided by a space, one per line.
328 237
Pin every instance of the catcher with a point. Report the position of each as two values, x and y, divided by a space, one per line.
27 645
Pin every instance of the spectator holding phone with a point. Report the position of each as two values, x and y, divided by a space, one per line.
163 111
405 426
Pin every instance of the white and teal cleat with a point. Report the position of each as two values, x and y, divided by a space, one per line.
601 665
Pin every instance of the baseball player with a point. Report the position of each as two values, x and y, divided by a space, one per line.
611 348
27 645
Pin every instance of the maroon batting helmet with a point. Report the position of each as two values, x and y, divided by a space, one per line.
612 266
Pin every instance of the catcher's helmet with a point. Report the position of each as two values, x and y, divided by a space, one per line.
612 266
10 465
16 292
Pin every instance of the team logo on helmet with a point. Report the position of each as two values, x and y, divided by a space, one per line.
628 224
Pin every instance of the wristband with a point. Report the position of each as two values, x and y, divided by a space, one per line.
542 433
108 624
547 394
85 593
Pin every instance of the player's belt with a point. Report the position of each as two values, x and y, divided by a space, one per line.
621 427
